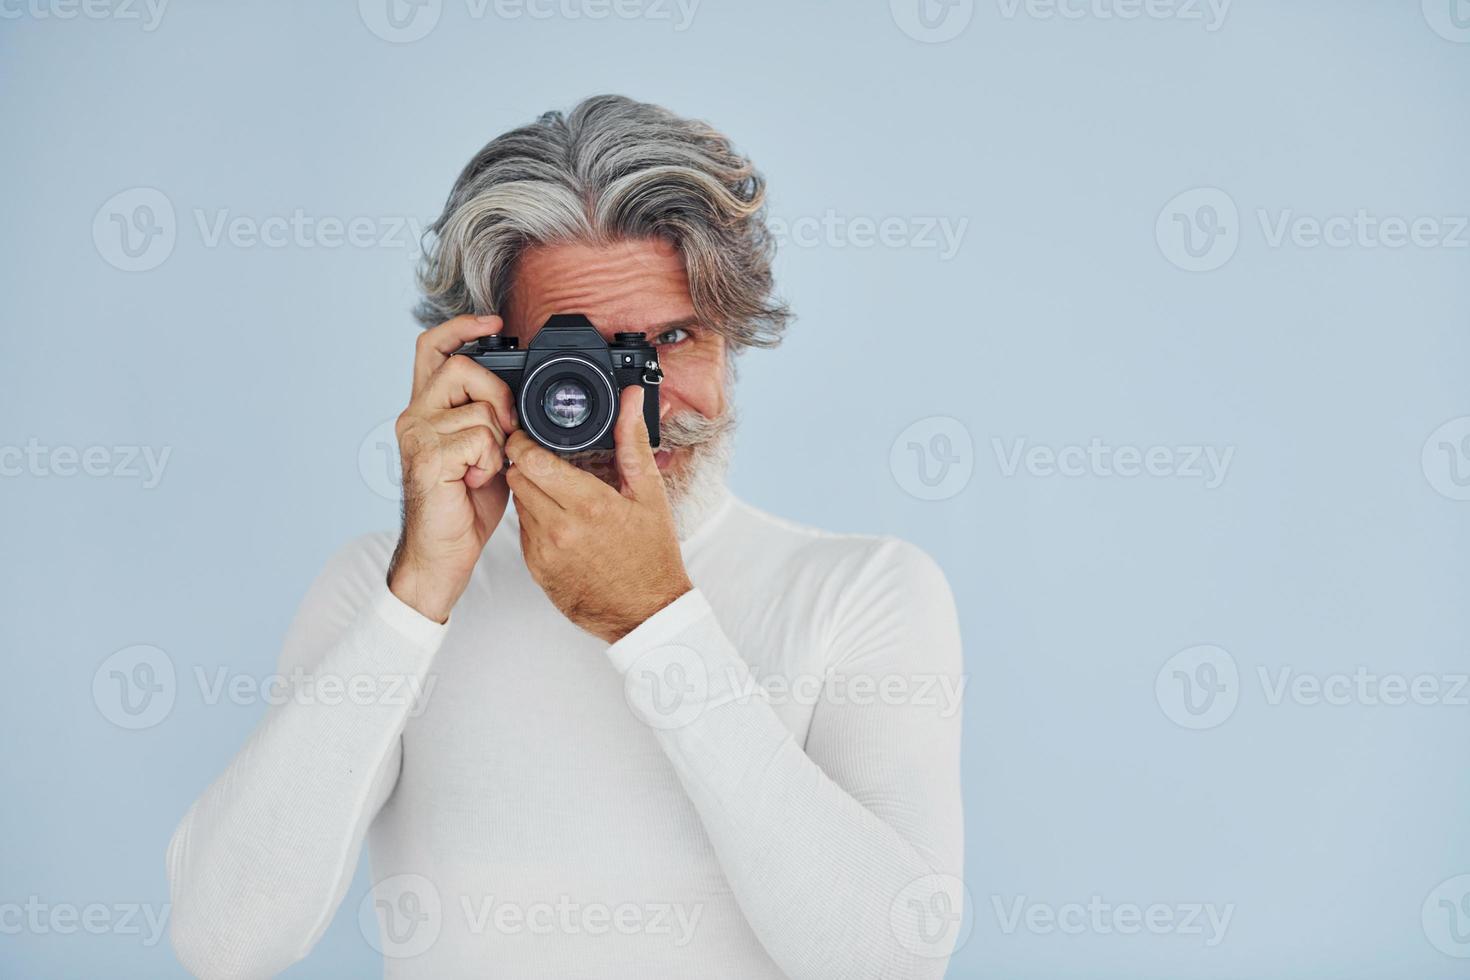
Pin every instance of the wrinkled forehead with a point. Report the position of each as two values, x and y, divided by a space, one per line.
638 284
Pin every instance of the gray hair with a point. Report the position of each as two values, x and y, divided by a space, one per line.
613 169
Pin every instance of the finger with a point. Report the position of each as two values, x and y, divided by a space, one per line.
490 498
468 450
460 381
636 466
437 344
467 417
530 499
570 487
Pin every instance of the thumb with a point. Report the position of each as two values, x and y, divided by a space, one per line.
636 466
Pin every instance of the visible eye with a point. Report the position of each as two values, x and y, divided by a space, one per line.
670 337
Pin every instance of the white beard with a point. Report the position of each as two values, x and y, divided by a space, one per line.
699 489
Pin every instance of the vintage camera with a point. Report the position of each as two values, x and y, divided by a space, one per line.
568 381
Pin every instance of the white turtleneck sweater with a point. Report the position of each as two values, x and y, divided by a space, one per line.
761 780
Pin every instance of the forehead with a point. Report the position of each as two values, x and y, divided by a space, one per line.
627 285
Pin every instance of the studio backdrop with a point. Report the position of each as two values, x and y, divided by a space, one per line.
1149 321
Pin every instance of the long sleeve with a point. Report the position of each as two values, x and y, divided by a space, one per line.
843 853
263 858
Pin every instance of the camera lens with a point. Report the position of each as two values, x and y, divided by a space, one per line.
566 403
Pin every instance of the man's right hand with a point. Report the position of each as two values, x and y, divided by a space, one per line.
450 440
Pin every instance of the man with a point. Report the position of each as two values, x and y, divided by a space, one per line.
660 733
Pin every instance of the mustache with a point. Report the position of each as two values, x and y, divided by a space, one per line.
689 429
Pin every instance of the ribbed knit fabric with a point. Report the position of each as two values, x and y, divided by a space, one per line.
762 780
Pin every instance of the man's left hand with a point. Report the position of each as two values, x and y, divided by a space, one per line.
607 558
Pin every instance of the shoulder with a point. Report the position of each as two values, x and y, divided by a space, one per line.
855 559
348 582
868 590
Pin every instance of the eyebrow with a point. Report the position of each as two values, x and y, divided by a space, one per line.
682 323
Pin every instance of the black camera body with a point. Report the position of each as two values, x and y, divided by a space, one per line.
568 382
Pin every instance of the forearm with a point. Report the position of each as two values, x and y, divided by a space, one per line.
824 881
262 859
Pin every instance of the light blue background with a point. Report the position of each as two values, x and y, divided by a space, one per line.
1060 319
